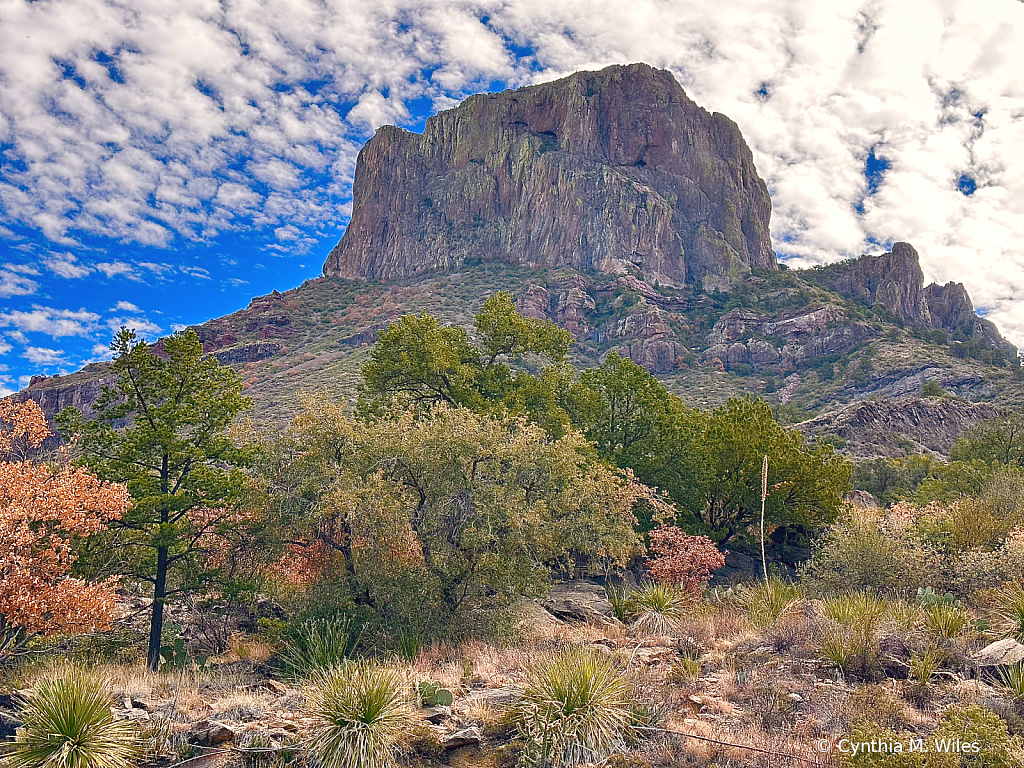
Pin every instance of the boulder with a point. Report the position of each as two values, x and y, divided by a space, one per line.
9 724
462 738
1000 653
578 601
436 715
211 733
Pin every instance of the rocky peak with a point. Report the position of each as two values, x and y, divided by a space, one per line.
892 279
597 171
895 281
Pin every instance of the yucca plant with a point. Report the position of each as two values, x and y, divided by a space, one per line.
619 597
575 709
317 645
765 602
1008 618
859 609
658 610
947 620
361 711
1011 679
67 724
924 665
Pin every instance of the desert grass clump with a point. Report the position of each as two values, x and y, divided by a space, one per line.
67 723
658 609
1011 680
361 713
575 709
766 602
317 645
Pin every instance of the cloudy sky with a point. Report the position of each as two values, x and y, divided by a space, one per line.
161 163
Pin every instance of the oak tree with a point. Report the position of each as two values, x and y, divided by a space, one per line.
46 508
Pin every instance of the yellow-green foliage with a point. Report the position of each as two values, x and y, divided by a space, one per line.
961 724
767 601
68 724
875 549
575 709
947 620
657 609
361 712
1008 617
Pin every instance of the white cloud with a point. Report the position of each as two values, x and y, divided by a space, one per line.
21 269
178 327
140 325
125 306
52 322
122 131
117 268
44 356
14 284
100 352
4 347
66 265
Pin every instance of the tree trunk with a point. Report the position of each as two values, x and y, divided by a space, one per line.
156 625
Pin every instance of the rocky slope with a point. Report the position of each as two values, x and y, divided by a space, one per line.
597 171
899 426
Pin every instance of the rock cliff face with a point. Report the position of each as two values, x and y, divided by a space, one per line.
597 171
895 281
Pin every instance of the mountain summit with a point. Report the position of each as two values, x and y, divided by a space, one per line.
599 171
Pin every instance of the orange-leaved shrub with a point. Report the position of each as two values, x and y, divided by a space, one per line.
681 560
43 509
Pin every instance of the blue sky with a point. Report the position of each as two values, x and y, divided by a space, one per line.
160 163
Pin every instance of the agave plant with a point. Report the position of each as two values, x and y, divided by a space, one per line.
361 712
575 709
67 724
767 601
658 609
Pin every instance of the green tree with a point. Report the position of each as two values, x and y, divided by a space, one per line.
416 362
806 483
635 422
998 441
428 519
162 430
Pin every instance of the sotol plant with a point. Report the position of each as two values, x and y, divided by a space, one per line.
68 724
658 609
361 712
575 709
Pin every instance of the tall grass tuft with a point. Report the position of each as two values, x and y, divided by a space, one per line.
575 709
1009 612
947 620
658 609
1011 679
317 645
767 601
67 724
619 597
361 713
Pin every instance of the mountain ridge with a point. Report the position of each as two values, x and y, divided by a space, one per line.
808 341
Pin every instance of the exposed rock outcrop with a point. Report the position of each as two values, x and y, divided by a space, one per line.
899 426
895 281
741 337
597 171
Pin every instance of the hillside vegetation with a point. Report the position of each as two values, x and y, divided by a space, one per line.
488 558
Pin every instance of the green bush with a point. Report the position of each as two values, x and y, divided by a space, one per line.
361 712
1008 617
874 549
68 724
575 709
